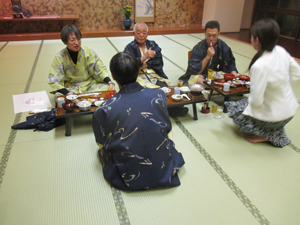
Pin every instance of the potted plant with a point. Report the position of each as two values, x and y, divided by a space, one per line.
127 11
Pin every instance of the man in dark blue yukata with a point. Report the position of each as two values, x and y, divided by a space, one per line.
149 56
210 53
133 131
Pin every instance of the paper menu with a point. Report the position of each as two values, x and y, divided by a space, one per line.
31 101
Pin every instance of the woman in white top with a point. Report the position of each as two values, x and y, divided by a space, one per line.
272 103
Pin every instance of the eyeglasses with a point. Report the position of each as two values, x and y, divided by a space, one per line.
72 40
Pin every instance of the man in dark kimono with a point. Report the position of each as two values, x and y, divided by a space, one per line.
211 53
132 130
149 56
148 53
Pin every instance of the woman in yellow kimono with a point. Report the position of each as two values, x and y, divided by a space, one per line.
77 69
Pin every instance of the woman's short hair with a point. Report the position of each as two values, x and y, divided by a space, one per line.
124 68
67 30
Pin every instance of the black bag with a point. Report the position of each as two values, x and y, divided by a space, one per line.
44 121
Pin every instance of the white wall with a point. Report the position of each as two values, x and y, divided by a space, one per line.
208 11
247 14
228 12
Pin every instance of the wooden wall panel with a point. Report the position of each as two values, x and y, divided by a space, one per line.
100 14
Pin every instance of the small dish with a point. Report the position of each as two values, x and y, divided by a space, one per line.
166 90
110 94
84 105
98 103
68 106
92 100
184 89
244 77
229 76
177 97
72 97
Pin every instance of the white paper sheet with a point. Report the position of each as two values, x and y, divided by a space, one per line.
31 101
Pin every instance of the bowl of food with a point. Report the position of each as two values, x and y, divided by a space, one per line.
229 76
196 87
244 77
184 89
98 103
72 97
68 106
177 97
166 90
84 105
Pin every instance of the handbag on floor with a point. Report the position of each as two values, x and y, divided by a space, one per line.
44 121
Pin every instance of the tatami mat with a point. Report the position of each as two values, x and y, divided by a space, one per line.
58 184
47 178
201 199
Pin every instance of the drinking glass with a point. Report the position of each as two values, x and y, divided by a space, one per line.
60 101
179 83
219 113
214 109
176 90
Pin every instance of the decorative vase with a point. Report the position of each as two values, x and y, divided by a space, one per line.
127 23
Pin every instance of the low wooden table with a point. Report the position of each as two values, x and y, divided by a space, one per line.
233 91
61 113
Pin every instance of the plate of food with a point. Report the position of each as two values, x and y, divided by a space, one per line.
71 97
84 105
92 100
177 97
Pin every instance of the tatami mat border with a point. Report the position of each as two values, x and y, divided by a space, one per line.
174 63
112 45
12 135
294 148
3 46
7 150
120 206
176 42
237 191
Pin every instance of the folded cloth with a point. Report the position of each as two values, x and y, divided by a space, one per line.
44 121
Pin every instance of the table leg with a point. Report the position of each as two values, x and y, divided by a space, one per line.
210 94
68 126
226 99
195 111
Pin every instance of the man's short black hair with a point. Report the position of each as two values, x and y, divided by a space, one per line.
67 30
212 24
124 68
